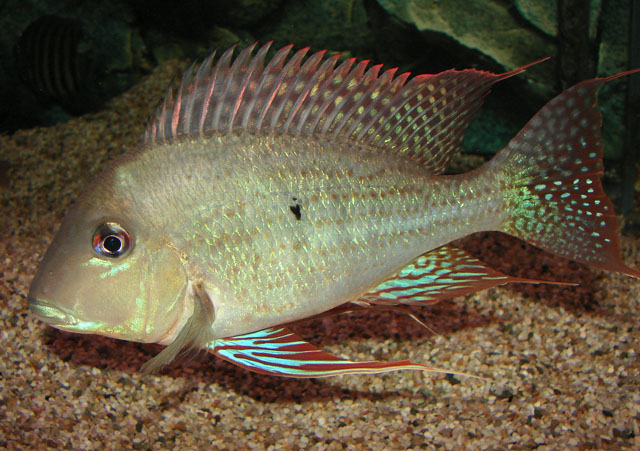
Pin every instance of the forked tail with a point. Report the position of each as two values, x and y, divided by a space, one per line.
551 181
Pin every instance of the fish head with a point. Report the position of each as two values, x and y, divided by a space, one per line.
108 272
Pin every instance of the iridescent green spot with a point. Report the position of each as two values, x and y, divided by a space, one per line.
95 261
115 270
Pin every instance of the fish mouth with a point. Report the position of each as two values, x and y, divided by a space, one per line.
51 314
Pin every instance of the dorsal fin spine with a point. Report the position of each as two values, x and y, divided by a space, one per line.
206 102
355 75
250 103
316 83
192 86
365 81
292 66
201 74
340 72
242 64
242 97
232 92
257 105
309 67
222 68
177 106
343 74
168 100
274 66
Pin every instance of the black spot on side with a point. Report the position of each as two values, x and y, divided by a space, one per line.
295 209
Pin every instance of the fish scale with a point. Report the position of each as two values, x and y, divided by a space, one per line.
266 193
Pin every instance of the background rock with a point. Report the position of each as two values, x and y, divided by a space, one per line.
129 37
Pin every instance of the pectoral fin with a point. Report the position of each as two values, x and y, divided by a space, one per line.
195 334
280 352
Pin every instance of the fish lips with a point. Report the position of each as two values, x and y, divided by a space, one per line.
50 314
43 309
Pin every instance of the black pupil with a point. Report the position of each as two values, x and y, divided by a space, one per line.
112 244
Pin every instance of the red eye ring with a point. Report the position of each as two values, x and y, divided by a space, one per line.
111 240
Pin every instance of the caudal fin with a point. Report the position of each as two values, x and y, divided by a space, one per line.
551 181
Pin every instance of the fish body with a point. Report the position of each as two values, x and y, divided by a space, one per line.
262 264
54 60
263 195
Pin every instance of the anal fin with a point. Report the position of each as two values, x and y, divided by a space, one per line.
280 352
442 273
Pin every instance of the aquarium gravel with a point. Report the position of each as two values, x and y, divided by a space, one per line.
562 360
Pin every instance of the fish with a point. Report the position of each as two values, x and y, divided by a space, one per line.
267 191
54 60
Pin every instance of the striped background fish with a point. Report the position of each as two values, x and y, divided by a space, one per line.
270 191
54 60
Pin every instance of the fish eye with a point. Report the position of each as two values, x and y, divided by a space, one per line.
111 240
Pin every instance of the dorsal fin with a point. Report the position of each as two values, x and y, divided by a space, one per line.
424 118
